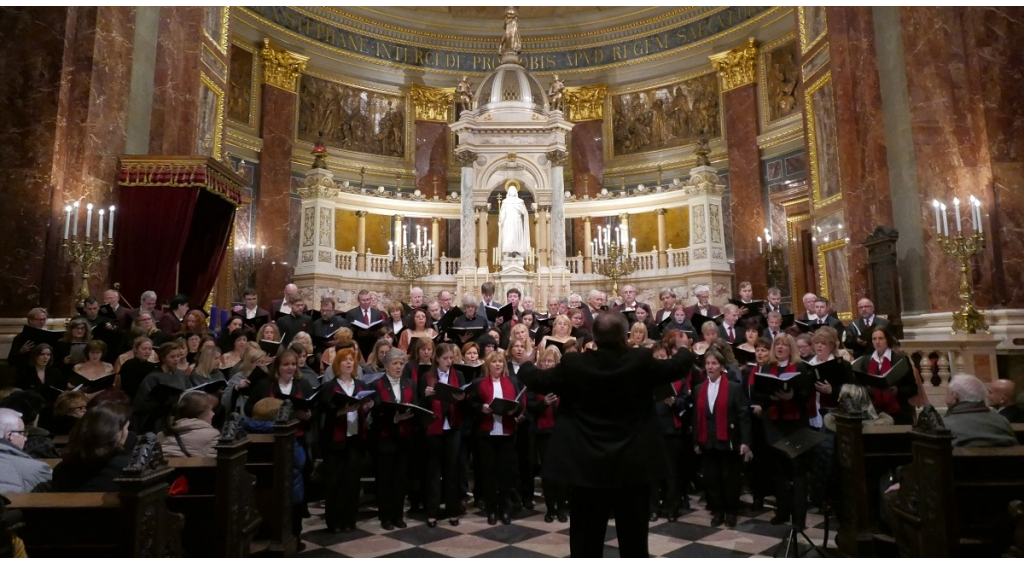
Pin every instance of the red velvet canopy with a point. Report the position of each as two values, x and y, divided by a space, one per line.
172 227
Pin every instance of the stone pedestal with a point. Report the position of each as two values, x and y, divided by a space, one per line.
316 231
707 241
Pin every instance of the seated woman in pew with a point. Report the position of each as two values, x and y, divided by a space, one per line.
96 453
148 412
38 440
205 369
94 367
253 366
19 472
40 375
190 432
68 408
860 397
264 413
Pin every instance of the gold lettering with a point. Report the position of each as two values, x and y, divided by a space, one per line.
550 59
476 61
382 47
661 44
569 59
618 52
637 50
598 56
329 35
489 63
451 61
350 41
419 57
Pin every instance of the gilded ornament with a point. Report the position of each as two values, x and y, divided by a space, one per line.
465 158
432 104
584 103
282 68
557 158
736 66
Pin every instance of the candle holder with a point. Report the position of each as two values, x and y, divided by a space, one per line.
86 254
410 263
968 319
616 263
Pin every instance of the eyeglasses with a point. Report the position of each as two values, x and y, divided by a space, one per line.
22 433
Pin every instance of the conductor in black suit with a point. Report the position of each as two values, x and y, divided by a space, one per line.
606 444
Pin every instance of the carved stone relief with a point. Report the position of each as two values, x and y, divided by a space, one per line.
308 219
307 256
716 224
783 78
351 118
667 116
326 214
699 225
324 256
207 128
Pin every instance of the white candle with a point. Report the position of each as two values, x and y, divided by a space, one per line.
977 209
935 204
263 251
760 246
76 219
405 235
100 232
88 221
634 245
391 249
956 213
67 221
110 226
945 221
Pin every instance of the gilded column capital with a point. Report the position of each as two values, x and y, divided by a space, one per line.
584 103
465 158
435 220
661 211
736 66
282 68
361 213
398 217
624 216
558 158
432 104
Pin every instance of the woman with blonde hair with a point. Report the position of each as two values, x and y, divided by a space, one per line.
561 331
253 359
191 433
207 362
710 332
522 332
637 335
862 399
544 408
496 435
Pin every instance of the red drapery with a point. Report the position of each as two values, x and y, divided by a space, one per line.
172 225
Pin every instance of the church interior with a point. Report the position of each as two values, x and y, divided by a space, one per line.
850 154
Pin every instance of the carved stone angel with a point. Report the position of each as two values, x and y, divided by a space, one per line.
465 92
555 92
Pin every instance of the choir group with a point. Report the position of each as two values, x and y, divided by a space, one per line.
426 395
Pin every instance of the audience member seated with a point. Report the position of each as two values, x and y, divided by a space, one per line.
191 433
96 453
972 423
862 400
1001 398
38 441
19 472
67 410
265 411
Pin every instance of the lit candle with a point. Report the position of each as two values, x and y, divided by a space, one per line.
263 251
405 235
945 221
935 204
88 221
760 246
67 221
977 213
110 226
100 232
391 249
76 219
956 213
634 245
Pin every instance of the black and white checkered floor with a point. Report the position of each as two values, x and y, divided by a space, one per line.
530 537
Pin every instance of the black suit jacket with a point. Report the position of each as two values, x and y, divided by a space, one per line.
1014 413
783 310
906 388
861 334
738 417
607 433
356 314
738 332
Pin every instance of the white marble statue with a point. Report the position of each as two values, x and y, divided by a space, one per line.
514 225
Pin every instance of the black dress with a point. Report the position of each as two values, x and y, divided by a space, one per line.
133 372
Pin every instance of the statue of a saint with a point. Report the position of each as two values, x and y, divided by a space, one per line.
511 43
465 92
555 92
514 225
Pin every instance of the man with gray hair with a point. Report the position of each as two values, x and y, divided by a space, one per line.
472 323
19 472
147 303
703 305
970 420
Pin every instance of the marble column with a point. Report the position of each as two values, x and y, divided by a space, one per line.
556 242
542 236
588 250
624 229
175 117
739 99
468 235
281 71
662 238
483 258
398 223
434 238
361 241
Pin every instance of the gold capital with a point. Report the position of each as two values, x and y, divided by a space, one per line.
584 103
661 211
432 104
282 68
736 66
435 220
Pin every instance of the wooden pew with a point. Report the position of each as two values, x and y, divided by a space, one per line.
219 508
864 455
131 523
955 501
272 462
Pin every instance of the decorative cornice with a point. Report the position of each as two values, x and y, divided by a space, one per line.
282 68
584 103
432 104
243 140
736 66
181 172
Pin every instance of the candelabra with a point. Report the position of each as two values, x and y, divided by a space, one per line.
616 263
967 319
411 263
773 259
89 250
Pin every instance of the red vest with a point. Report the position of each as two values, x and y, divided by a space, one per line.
546 419
404 428
786 410
883 400
721 411
340 432
454 415
486 391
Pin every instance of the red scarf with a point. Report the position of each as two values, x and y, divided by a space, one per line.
454 415
784 410
721 411
508 391
883 400
546 419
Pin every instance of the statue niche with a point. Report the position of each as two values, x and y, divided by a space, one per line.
782 77
351 118
667 116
